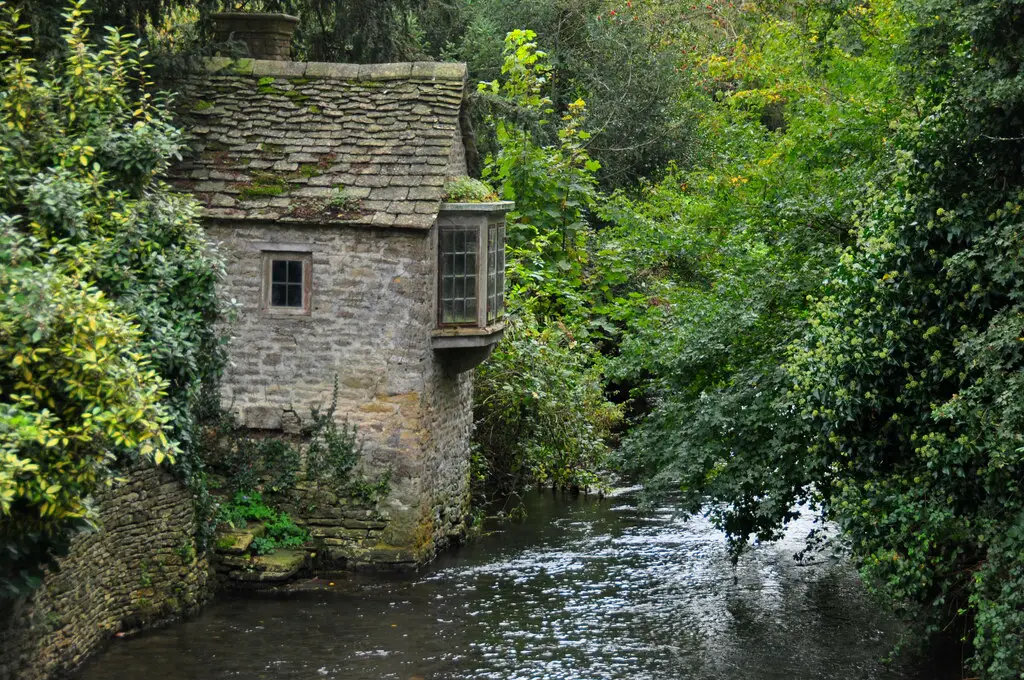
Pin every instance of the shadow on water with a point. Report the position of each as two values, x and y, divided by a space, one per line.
585 589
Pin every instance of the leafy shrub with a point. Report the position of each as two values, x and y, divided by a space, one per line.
279 530
82 147
77 394
538 400
284 532
324 452
332 451
540 411
245 506
911 368
245 462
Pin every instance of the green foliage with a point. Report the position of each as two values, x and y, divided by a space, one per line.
323 452
627 60
279 530
92 234
332 455
540 410
827 309
538 401
553 187
911 367
76 393
246 462
343 201
357 31
47 17
244 506
332 452
710 268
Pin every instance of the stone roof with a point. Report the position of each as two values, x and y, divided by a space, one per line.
317 143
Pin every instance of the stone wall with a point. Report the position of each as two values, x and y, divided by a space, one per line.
139 571
447 462
371 314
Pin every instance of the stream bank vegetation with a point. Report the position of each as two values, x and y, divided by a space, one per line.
258 479
107 304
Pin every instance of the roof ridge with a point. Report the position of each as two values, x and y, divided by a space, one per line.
434 70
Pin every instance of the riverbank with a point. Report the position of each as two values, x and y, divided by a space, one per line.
142 570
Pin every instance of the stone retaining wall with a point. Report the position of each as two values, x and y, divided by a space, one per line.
139 571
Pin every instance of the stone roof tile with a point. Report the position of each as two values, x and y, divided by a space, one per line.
275 140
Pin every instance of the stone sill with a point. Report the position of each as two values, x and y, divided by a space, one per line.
466 337
492 206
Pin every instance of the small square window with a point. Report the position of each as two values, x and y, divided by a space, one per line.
287 278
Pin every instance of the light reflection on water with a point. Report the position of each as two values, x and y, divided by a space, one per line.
585 589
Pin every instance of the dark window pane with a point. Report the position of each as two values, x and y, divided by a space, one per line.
278 294
294 295
287 283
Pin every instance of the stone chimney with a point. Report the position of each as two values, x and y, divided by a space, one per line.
267 35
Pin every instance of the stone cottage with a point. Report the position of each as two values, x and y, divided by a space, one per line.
322 184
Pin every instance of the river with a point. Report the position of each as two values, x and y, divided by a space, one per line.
586 589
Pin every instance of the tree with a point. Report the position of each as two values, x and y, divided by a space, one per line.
911 369
121 276
623 60
538 401
715 262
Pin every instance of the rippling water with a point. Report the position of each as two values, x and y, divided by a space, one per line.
585 589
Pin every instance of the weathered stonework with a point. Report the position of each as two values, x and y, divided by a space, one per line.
140 570
266 35
369 329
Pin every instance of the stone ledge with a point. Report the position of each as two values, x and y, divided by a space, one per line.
431 70
229 219
482 207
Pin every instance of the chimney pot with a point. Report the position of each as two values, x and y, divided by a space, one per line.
267 35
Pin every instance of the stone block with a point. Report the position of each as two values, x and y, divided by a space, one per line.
439 70
325 70
385 71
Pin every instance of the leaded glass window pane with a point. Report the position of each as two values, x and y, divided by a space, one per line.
493 292
458 274
499 278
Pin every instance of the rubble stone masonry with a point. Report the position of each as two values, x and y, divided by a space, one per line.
368 329
141 570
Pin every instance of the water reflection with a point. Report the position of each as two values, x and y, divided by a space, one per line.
586 589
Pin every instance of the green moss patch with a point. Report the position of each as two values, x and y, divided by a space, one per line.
262 185
296 97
